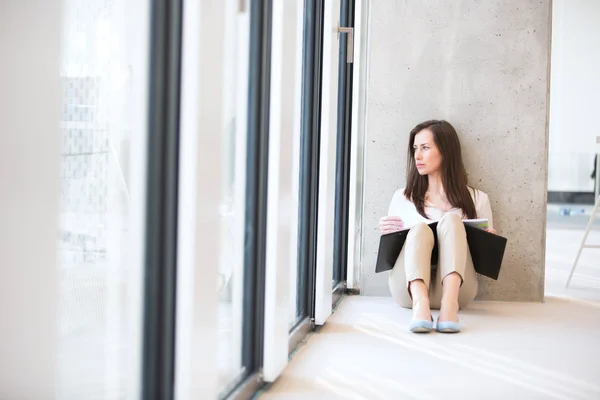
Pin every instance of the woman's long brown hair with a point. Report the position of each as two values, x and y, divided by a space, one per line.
454 175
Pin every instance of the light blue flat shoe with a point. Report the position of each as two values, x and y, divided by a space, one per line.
448 327
421 326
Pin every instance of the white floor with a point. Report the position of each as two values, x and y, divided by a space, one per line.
506 350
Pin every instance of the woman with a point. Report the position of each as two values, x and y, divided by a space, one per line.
436 191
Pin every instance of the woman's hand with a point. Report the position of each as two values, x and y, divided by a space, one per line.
390 225
491 230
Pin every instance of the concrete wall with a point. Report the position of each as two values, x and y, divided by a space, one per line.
482 65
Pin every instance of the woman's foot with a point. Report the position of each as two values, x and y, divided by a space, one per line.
421 326
420 297
448 319
448 327
421 311
422 321
449 311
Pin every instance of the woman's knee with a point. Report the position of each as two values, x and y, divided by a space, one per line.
420 232
451 224
451 218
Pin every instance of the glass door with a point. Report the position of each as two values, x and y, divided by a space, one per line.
344 129
104 74
333 156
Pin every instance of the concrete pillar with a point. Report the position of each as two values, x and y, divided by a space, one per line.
483 66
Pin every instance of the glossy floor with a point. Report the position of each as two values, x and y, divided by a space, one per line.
507 350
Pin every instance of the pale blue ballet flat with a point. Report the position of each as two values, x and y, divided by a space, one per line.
421 326
448 327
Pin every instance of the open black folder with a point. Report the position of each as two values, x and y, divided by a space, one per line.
487 250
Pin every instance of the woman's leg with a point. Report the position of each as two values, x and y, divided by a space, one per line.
455 284
411 275
397 282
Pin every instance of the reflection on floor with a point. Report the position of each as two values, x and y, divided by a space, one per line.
507 350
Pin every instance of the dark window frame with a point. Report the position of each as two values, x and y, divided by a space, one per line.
312 72
160 275
343 150
257 167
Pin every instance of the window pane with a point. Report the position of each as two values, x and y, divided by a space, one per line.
293 22
212 189
233 194
311 60
103 72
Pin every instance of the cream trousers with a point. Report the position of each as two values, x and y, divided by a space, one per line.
415 259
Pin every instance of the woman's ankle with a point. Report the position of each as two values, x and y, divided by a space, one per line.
420 297
421 309
449 310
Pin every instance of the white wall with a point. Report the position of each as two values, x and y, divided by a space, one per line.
574 94
29 182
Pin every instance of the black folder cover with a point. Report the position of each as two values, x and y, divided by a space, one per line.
487 250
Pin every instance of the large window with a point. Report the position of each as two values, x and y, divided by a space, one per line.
103 76
233 193
309 156
196 212
343 150
223 190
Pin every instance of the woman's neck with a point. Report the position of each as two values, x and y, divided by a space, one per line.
435 184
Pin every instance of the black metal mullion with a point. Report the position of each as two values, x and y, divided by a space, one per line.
343 150
340 184
257 174
158 364
305 156
310 148
304 212
348 148
349 99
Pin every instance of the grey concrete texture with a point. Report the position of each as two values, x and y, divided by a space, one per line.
484 67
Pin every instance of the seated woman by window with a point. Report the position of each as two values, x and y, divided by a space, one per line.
436 190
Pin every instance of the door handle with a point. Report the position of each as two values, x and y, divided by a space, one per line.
350 47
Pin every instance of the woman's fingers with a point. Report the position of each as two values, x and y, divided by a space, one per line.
390 218
390 224
392 221
391 228
386 230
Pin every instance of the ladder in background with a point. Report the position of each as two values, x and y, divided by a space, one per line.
584 244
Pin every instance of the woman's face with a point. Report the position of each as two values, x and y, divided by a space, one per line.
427 155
